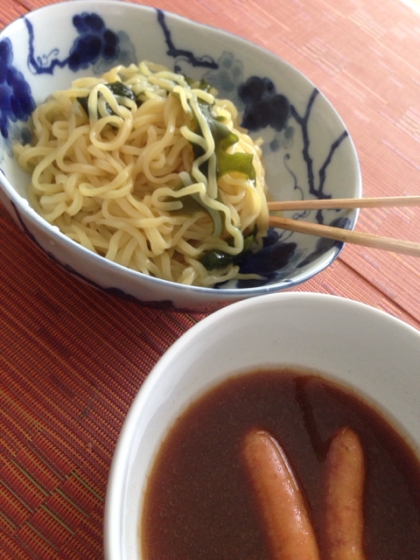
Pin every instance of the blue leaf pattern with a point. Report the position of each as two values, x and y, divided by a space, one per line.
16 101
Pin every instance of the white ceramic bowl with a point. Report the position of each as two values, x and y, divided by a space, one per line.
312 156
364 349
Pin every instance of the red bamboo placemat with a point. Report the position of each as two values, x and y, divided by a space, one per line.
73 358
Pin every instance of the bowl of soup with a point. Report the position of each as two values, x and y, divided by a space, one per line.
138 150
304 395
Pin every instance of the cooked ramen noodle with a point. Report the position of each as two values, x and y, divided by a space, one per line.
150 170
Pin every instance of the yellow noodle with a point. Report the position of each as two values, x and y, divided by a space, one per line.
119 175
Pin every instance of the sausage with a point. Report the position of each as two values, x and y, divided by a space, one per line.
281 503
345 476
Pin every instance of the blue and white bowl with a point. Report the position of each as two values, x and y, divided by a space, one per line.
308 155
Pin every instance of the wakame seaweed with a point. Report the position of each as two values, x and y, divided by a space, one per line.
215 259
223 140
118 89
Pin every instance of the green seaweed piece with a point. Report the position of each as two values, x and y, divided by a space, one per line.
223 140
212 260
118 89
121 90
215 259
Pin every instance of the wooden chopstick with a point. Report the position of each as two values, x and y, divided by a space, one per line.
348 236
338 203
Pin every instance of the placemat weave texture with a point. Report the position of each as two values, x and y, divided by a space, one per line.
72 358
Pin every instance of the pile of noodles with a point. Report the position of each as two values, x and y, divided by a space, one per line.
154 175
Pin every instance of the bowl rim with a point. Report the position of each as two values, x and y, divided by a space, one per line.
21 205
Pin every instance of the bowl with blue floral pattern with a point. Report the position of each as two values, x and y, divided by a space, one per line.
307 149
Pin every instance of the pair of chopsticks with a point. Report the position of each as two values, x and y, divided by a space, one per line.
345 235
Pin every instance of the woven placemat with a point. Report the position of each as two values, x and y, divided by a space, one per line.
73 358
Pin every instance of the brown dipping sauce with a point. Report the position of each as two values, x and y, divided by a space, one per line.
199 504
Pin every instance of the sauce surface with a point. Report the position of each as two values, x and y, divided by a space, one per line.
199 504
